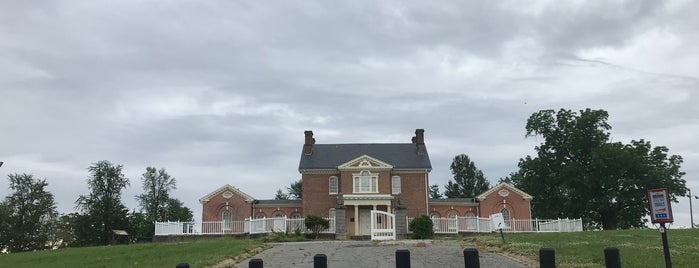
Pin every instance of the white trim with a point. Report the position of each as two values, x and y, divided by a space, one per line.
370 164
208 197
394 184
524 195
330 184
358 180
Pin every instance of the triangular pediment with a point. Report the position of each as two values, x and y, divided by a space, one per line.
365 162
503 190
226 190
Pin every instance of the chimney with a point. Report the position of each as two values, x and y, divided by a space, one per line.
308 145
419 141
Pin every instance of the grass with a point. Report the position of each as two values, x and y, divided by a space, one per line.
196 253
638 248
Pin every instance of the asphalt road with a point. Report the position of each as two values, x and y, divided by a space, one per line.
368 254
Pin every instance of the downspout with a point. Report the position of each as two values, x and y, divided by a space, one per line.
427 200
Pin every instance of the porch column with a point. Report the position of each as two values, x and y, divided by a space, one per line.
356 219
374 206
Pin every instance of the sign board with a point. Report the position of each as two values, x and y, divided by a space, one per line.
497 220
660 210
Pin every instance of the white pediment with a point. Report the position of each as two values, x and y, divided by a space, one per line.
365 162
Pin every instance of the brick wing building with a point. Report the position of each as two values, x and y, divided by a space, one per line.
360 178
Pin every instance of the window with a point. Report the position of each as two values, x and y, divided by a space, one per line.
395 185
332 184
505 215
227 217
279 215
331 213
365 182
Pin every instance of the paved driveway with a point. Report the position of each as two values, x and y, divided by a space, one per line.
439 253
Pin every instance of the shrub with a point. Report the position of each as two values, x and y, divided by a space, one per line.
422 227
316 224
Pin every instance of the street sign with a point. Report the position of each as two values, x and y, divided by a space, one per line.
660 209
498 221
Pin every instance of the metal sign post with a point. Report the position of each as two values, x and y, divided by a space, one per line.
661 212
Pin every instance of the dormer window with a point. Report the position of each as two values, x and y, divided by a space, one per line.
366 182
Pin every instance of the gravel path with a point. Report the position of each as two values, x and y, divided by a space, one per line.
437 253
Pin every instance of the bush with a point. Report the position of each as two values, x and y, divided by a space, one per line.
316 224
422 227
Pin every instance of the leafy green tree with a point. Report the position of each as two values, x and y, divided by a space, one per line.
295 190
176 211
469 181
434 192
102 208
577 172
281 195
28 214
157 185
63 233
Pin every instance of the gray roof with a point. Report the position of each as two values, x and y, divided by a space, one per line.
278 202
399 155
453 200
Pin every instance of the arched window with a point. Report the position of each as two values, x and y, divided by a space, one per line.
227 218
506 216
451 223
279 215
261 216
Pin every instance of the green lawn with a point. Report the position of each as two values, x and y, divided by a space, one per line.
638 248
196 253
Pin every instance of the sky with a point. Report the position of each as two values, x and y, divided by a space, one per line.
220 92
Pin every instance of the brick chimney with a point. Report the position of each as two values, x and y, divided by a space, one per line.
419 141
308 145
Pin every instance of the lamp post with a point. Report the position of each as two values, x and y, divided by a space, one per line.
691 214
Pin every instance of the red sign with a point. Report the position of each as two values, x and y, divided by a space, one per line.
660 209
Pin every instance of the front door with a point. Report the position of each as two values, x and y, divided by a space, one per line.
364 221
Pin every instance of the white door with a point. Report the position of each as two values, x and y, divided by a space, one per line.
364 221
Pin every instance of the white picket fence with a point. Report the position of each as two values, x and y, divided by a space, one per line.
251 226
483 225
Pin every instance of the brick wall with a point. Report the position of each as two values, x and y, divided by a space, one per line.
414 189
316 199
493 203
213 209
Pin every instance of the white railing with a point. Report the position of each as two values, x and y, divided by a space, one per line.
483 225
251 226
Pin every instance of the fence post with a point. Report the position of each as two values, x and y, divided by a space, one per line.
471 258
402 258
182 265
320 261
612 259
255 263
547 258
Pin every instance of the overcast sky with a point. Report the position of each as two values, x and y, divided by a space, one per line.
221 92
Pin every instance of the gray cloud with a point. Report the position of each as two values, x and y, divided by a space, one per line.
221 92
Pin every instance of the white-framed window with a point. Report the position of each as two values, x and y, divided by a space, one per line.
365 182
227 218
505 214
296 216
331 213
332 183
395 185
279 215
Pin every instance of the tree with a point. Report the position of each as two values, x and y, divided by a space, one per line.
281 195
295 190
434 192
102 208
577 172
157 185
469 181
28 214
176 211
